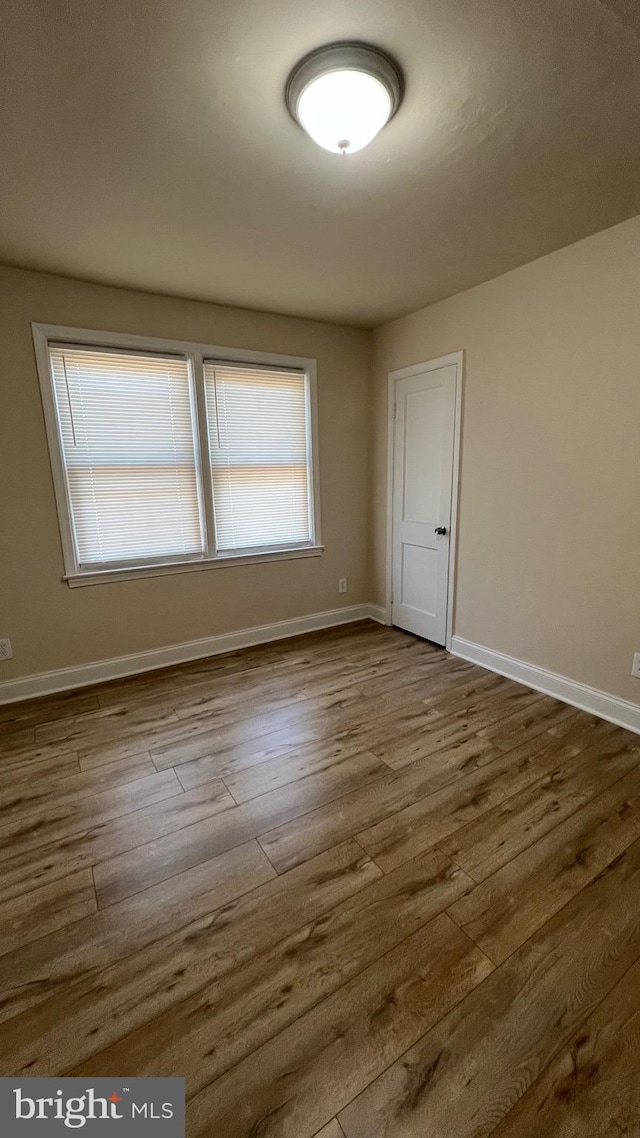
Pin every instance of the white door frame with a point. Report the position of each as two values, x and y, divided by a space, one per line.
457 359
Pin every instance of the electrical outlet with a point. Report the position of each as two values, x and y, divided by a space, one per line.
5 650
342 585
635 669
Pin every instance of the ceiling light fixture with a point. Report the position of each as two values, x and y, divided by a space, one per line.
343 94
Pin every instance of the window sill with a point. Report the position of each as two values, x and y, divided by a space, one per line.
105 576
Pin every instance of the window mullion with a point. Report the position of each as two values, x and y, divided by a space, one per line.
204 455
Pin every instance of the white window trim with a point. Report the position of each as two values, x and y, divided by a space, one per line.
43 334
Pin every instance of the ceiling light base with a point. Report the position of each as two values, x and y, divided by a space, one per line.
348 55
370 64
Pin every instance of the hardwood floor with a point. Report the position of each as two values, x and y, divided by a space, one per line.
347 885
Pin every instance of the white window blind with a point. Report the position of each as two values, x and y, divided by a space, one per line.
258 422
126 424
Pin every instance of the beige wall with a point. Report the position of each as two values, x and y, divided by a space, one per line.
549 539
549 535
52 626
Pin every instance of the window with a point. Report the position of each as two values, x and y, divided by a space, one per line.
128 449
169 456
259 455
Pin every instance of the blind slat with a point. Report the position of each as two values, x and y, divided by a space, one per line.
260 461
127 434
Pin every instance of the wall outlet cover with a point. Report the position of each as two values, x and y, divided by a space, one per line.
342 585
6 652
635 670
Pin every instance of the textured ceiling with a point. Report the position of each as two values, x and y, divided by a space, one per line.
145 143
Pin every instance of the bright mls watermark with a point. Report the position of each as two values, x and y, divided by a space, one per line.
131 1108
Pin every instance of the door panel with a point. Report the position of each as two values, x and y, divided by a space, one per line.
419 578
422 489
425 412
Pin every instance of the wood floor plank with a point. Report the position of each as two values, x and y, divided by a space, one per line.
43 759
322 718
174 743
41 771
177 683
415 745
247 939
225 1020
333 1129
17 758
41 971
306 656
52 907
29 712
237 698
285 755
413 685
278 711
472 694
252 666
386 672
582 729
100 1005
31 868
15 738
192 684
592 1086
104 724
464 819
508 907
366 729
229 701
65 812
433 730
144 865
492 697
301 1078
293 767
291 843
426 677
503 832
320 675
542 716
24 795
464 1075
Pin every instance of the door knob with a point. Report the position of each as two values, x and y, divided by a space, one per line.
440 530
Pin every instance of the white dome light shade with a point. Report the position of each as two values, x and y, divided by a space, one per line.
343 94
344 110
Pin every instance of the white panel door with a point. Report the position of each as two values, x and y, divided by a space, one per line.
425 410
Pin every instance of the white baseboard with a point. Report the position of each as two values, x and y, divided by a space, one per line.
622 712
378 613
596 702
62 679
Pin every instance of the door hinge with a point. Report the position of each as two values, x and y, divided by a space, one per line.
392 596
395 410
